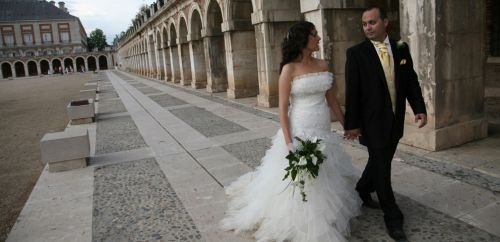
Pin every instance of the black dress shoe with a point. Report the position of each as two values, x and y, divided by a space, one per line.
368 201
397 234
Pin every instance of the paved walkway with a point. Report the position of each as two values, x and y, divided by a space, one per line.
161 155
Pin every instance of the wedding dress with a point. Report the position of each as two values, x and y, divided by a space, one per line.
272 209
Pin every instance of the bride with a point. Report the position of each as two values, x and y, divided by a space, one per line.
260 201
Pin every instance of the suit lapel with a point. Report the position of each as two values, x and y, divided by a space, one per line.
375 60
396 59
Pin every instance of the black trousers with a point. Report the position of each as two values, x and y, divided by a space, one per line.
377 178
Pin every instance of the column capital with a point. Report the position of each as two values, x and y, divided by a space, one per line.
275 15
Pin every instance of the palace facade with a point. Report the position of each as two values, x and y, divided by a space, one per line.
39 38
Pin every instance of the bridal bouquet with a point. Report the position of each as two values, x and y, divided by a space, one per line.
303 164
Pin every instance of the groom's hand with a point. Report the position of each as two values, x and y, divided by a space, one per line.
421 118
352 134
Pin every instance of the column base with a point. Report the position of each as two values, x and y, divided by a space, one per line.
267 101
185 82
198 84
443 138
241 93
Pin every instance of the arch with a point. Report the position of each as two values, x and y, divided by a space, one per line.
207 16
19 68
68 64
80 64
216 52
6 70
185 58
92 63
44 66
103 62
56 66
195 21
165 50
198 67
32 68
174 53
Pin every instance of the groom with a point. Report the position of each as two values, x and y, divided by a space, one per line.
379 79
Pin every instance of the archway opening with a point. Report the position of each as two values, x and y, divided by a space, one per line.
32 69
103 62
56 66
44 67
6 70
19 67
214 41
92 63
68 65
198 67
80 64
174 55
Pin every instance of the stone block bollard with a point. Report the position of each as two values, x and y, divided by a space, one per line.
81 111
65 150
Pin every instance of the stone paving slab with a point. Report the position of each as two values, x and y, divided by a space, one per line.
251 157
206 122
111 106
166 100
118 134
133 201
148 90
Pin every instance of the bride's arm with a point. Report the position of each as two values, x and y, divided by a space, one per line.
285 85
334 105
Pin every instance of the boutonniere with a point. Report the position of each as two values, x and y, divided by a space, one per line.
402 62
400 44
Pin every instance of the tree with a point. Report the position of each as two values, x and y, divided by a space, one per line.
97 40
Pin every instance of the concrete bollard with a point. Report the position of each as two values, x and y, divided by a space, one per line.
81 111
65 150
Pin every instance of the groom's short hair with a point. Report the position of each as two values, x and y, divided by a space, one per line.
381 10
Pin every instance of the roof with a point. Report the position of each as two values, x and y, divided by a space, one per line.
19 10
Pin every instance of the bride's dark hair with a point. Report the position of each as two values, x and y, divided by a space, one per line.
295 41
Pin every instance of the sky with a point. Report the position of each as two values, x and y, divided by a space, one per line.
112 16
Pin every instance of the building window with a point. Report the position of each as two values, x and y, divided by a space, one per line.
28 39
47 37
64 34
493 22
8 39
27 33
64 37
46 32
8 36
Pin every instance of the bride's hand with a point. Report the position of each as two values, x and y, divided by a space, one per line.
291 147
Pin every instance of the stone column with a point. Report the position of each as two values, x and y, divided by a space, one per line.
241 59
197 56
51 68
84 60
26 71
38 68
339 25
13 69
446 40
270 28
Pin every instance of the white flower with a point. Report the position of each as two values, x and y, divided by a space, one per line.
314 160
302 161
314 139
321 147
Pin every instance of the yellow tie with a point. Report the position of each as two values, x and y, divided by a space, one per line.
386 64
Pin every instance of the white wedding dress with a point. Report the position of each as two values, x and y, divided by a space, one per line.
262 203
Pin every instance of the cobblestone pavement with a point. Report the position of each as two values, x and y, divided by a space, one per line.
161 155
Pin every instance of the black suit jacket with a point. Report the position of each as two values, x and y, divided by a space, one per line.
368 102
